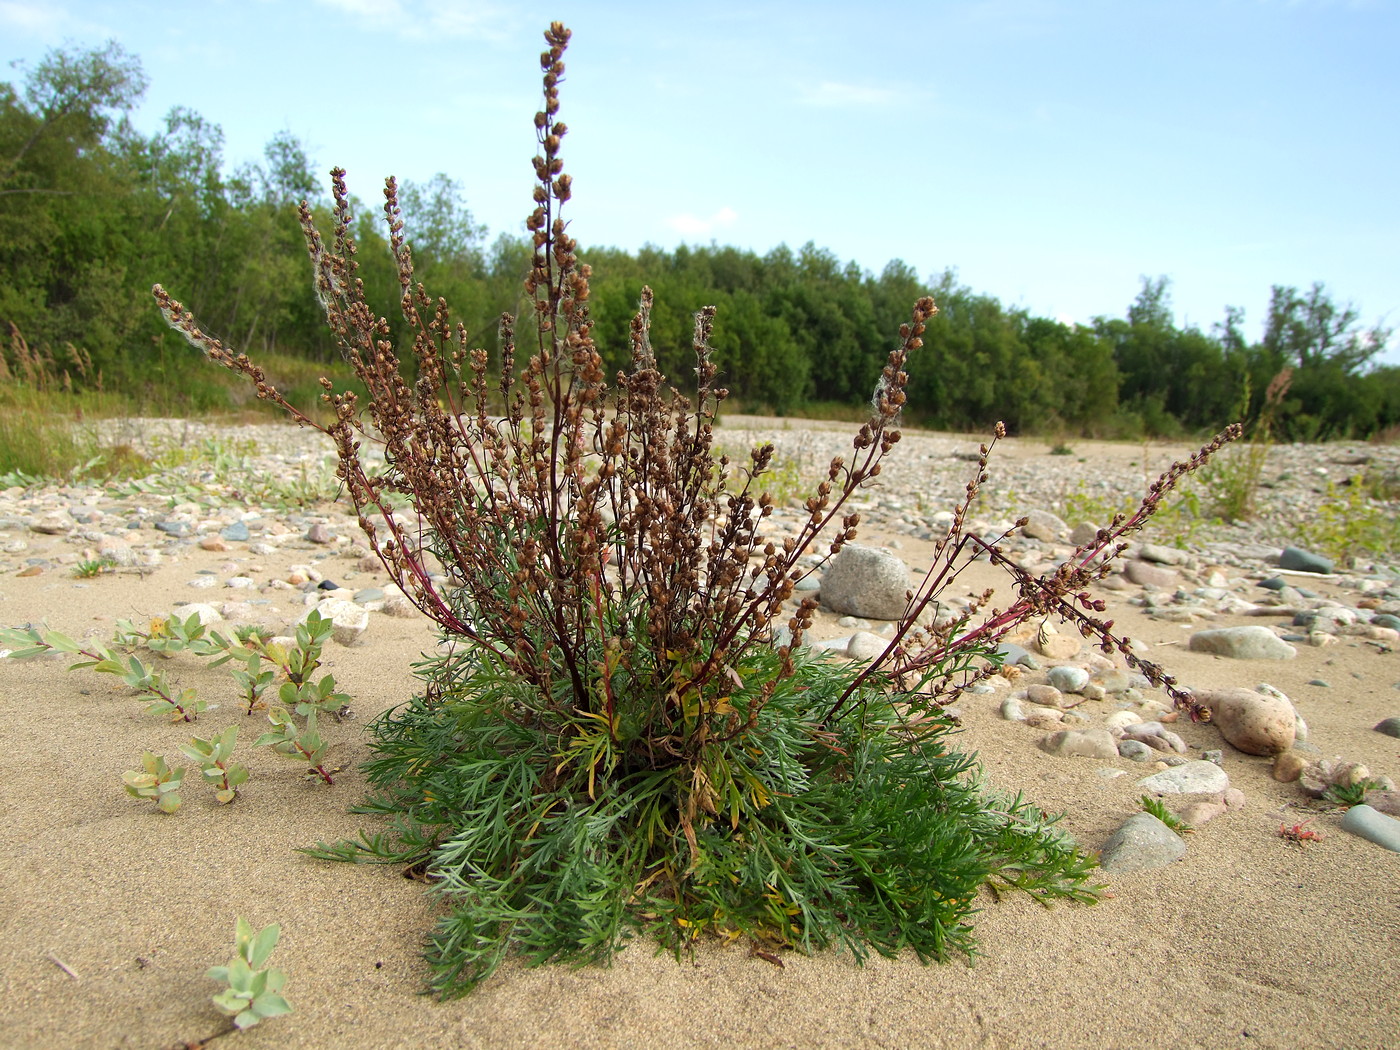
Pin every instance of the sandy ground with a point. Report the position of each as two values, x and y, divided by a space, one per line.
1248 941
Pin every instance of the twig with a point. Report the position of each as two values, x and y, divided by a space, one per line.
64 966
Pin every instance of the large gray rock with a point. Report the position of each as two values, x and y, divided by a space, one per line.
1253 722
1142 842
865 581
1243 643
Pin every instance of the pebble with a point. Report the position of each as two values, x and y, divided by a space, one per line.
1288 767
207 613
1013 655
237 532
51 524
1135 750
1388 726
1198 813
1374 826
1012 711
1189 778
1057 646
398 605
1146 574
348 619
1242 643
1163 555
1042 525
1083 534
1298 560
1142 842
866 646
1384 801
1254 722
1154 735
1068 678
1081 743
1045 695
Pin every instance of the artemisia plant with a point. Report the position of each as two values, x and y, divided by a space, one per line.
621 737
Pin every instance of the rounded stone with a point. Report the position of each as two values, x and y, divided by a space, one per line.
865 581
1288 767
1298 560
1189 778
1242 643
1252 722
866 646
1042 525
1198 813
1067 678
1374 826
1146 574
1388 726
1135 750
1081 743
1045 695
348 620
1140 843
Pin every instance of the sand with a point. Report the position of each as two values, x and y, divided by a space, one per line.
110 913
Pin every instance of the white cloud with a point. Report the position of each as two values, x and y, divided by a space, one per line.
688 225
46 21
417 19
833 93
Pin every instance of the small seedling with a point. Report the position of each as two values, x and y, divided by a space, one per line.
253 681
86 570
303 660
184 705
214 765
1158 809
156 781
170 634
254 991
252 636
1347 795
27 642
306 743
320 695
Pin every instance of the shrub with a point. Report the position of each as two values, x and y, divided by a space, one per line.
625 732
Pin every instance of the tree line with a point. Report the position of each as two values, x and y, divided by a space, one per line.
93 212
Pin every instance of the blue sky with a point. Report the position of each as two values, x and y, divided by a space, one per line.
1051 151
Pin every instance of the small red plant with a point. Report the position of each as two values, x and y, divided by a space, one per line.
1298 834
